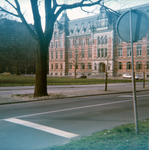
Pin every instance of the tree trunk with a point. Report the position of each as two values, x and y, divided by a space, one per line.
41 71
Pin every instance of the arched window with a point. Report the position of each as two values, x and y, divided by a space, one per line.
120 65
82 66
138 65
129 66
70 66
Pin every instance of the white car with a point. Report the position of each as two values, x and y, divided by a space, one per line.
127 76
137 77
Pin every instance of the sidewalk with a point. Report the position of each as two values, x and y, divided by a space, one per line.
10 95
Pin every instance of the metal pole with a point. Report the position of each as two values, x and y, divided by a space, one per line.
144 78
133 79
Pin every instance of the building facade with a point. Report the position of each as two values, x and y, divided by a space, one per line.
92 46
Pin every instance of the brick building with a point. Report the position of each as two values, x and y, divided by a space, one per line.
92 44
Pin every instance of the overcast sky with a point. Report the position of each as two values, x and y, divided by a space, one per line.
78 13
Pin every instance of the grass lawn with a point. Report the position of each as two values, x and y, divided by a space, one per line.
30 80
119 138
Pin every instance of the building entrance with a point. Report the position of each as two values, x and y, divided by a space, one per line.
101 67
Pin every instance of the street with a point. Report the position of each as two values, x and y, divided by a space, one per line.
38 125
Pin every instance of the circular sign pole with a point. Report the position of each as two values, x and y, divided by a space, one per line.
133 77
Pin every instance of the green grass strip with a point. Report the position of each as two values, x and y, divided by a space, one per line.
30 80
119 138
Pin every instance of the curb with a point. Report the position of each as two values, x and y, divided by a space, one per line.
38 100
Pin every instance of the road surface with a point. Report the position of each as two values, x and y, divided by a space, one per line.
38 125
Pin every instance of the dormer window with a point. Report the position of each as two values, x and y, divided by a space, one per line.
89 26
55 35
76 29
98 40
82 28
55 26
71 31
102 15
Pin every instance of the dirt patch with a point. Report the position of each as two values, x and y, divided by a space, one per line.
30 96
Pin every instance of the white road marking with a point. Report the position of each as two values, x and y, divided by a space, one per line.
75 108
132 95
42 128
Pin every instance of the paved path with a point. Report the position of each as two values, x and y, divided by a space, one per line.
7 93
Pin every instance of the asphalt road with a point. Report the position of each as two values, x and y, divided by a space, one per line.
38 125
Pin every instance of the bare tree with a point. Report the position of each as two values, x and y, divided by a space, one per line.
43 38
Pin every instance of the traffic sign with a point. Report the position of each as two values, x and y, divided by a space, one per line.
140 25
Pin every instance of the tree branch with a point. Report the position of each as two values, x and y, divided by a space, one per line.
20 15
10 4
4 10
37 19
75 5
54 5
88 11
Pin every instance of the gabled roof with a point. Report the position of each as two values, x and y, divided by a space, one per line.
64 17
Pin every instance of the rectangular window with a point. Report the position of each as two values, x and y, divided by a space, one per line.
139 50
61 54
82 53
105 52
61 44
83 43
56 55
76 43
51 45
51 66
70 54
89 42
56 44
102 52
70 44
89 53
82 66
51 54
61 66
120 40
89 66
148 50
128 51
98 52
61 36
120 52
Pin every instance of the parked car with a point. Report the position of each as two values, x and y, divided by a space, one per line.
5 74
137 77
82 76
127 76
